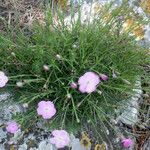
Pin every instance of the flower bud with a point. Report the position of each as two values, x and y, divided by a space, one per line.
103 77
73 85
46 67
20 84
58 57
13 54
126 143
25 105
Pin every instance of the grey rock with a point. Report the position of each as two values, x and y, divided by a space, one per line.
44 145
23 147
75 144
41 124
4 96
147 145
33 148
3 135
147 33
2 147
7 107
130 108
18 135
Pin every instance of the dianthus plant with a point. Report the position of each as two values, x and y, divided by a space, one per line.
68 75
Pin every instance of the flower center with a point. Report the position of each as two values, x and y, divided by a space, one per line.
88 82
47 109
60 139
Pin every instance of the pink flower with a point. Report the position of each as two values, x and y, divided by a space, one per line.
12 127
104 77
88 82
61 138
46 109
3 79
73 85
127 143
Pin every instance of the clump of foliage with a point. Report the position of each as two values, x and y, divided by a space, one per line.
101 47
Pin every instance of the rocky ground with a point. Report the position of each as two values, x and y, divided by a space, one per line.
37 138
